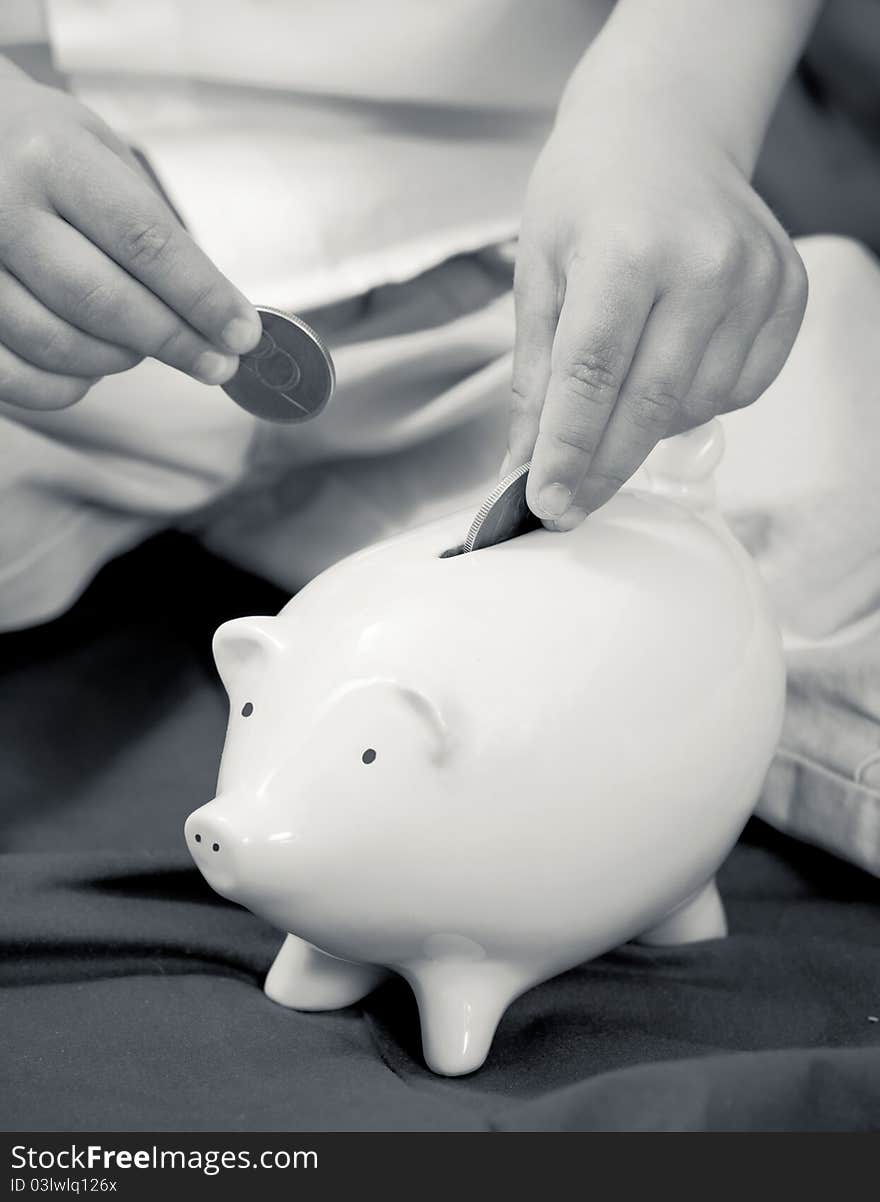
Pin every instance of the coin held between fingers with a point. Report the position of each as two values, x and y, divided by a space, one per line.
504 514
288 376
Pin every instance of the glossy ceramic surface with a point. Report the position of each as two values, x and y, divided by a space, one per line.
478 771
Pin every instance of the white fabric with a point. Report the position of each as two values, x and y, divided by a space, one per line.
22 21
318 148
800 484
512 54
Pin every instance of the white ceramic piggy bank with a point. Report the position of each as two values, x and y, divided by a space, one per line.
480 770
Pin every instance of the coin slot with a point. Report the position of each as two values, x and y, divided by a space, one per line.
459 550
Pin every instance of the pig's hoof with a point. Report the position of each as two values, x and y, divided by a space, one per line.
304 978
700 917
459 1013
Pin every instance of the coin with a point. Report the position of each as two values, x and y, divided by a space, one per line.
288 376
504 514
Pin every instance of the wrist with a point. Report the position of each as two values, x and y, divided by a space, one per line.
638 96
633 124
699 67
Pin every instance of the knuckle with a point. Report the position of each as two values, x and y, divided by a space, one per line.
97 303
766 266
633 256
607 481
525 382
520 394
717 261
207 298
145 243
654 405
592 376
628 255
54 346
33 148
571 435
52 350
66 350
168 348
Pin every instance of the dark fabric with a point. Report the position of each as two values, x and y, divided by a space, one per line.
131 993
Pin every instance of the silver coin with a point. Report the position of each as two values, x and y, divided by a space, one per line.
504 514
289 376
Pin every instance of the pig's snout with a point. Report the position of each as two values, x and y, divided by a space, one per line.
215 847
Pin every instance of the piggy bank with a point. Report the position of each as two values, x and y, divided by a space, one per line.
479 770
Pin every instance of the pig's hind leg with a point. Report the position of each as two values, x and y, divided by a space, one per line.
701 916
305 978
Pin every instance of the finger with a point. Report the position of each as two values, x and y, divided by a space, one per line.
735 343
537 312
117 210
772 346
666 361
601 320
36 334
29 387
81 285
740 340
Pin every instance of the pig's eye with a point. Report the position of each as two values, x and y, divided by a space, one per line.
247 709
368 756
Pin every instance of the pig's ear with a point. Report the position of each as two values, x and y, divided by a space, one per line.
429 714
242 642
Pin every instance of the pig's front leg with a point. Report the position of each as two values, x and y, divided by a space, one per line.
304 978
700 917
460 1006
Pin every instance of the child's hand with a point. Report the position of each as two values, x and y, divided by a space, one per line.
95 270
654 290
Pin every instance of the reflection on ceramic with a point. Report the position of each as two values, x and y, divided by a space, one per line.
478 771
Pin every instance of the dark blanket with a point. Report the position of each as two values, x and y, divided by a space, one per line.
131 993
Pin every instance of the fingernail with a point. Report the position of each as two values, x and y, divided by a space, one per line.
505 466
213 368
553 500
571 519
242 334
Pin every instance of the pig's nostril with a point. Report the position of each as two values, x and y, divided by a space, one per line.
198 838
215 847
